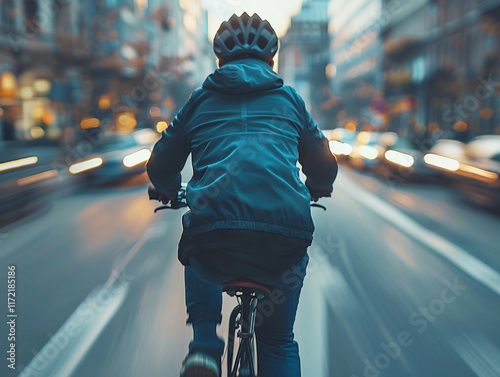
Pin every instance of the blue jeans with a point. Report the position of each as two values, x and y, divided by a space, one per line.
277 351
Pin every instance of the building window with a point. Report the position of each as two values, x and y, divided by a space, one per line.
8 14
31 22
62 18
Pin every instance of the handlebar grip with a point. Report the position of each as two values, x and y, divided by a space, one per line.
153 194
178 202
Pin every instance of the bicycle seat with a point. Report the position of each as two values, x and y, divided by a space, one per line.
245 286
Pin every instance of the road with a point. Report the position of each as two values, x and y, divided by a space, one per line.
403 280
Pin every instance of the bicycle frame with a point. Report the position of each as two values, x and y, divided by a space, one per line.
242 325
242 322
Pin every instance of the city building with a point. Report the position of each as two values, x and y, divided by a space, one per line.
67 65
425 69
406 68
355 66
303 57
440 63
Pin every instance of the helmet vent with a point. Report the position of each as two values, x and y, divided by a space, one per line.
241 38
262 42
230 43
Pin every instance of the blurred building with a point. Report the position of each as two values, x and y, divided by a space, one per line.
188 54
426 69
67 66
406 32
303 56
438 57
28 48
356 61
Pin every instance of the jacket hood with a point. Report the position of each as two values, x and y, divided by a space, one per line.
242 77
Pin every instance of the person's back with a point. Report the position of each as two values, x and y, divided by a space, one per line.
249 212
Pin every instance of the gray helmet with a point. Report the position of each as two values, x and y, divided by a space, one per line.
245 35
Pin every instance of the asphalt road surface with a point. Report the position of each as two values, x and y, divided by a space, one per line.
403 280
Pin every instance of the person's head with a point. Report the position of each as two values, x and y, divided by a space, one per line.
245 37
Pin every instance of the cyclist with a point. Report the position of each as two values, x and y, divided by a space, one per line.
250 213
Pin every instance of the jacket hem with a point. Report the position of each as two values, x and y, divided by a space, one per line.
251 225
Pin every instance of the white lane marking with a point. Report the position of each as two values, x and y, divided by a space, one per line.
119 265
480 354
310 329
67 348
64 351
453 253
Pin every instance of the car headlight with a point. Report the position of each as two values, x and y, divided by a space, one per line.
18 163
400 158
80 167
136 158
441 162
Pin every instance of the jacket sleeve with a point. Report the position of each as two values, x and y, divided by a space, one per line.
169 156
318 163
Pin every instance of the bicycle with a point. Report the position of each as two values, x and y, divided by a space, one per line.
242 320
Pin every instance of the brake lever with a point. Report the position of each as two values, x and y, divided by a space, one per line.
172 205
318 206
166 206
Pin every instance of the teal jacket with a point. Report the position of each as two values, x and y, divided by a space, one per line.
245 131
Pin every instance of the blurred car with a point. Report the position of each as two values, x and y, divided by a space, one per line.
445 155
448 148
341 142
369 147
404 161
117 157
27 178
474 173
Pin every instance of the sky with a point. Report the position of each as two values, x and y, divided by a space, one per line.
277 12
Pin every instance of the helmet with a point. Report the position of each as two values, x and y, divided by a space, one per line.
245 35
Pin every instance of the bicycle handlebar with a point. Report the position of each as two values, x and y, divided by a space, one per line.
153 194
180 200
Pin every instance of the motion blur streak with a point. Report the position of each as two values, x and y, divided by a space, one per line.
93 223
395 241
399 158
441 162
478 352
18 163
85 165
136 158
469 264
64 360
484 175
403 199
37 177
